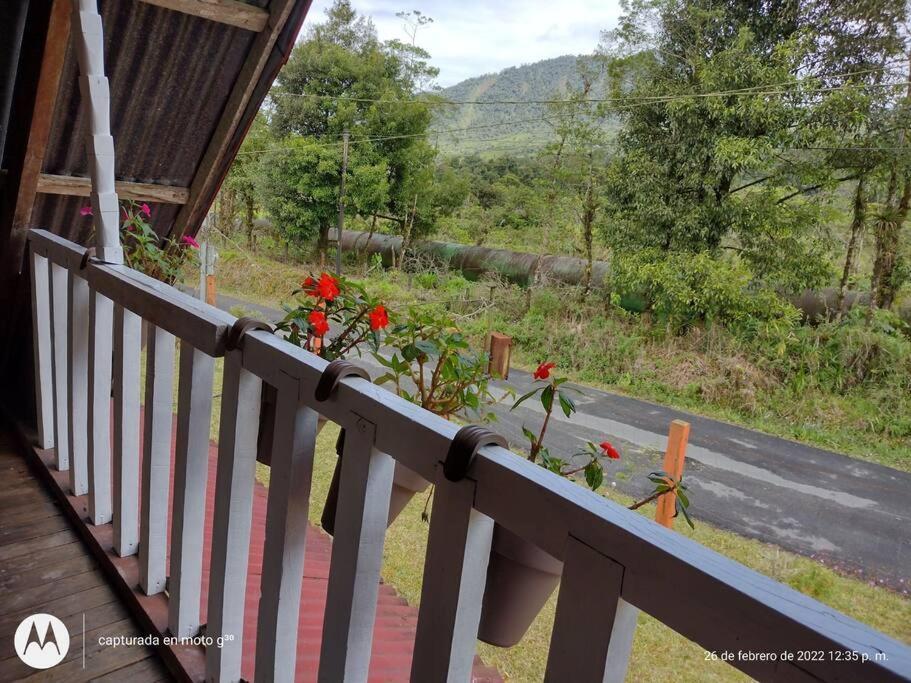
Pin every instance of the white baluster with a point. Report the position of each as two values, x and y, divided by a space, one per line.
191 470
156 459
293 448
357 556
78 382
593 625
59 280
101 326
241 393
455 573
127 355
41 343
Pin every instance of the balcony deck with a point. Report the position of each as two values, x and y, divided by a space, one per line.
44 567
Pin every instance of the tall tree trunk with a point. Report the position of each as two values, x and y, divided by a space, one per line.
409 226
322 243
248 206
589 208
857 229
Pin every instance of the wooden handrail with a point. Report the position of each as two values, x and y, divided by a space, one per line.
704 596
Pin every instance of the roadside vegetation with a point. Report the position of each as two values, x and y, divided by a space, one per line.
723 158
844 386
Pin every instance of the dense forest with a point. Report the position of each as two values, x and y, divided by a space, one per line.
723 157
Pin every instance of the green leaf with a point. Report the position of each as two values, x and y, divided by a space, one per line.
594 475
566 403
427 347
547 397
686 515
525 397
529 434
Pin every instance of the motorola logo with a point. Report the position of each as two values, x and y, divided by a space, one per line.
41 641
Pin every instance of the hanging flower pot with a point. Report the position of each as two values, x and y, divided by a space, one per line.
520 579
405 484
265 438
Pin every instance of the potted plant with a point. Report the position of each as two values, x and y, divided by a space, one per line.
320 303
431 365
143 250
520 576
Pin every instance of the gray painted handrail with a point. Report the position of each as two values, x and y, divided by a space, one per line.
704 596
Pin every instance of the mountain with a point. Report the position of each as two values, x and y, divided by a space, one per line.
505 128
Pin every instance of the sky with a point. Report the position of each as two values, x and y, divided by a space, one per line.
473 37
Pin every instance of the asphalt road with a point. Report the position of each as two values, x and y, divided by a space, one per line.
848 513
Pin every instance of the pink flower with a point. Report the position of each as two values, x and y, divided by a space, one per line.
85 211
145 209
190 241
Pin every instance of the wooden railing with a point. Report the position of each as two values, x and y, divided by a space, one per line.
88 313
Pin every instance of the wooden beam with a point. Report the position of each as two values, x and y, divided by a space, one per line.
75 186
209 173
229 12
58 32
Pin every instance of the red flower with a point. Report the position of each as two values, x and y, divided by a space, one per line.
85 211
190 241
145 209
608 449
308 283
318 322
327 287
378 318
543 371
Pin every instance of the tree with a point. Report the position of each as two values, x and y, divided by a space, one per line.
342 78
243 177
698 171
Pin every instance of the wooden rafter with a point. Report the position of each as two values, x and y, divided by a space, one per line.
75 186
229 12
58 32
209 172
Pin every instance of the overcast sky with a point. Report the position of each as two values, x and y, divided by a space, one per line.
473 37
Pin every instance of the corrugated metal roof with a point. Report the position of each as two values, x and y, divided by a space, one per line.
171 75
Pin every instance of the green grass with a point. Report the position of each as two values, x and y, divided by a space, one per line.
659 654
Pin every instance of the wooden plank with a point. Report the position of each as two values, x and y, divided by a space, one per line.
293 448
59 284
40 527
586 617
357 556
210 171
23 599
455 574
41 344
78 383
156 459
126 375
76 186
71 603
674 458
101 326
191 470
230 12
148 670
11 551
55 43
232 517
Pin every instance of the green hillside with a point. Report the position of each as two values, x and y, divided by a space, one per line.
505 128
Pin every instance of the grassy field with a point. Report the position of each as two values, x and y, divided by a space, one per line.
705 371
659 654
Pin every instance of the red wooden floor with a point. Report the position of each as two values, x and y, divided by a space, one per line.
395 620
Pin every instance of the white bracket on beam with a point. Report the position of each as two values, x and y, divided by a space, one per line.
99 145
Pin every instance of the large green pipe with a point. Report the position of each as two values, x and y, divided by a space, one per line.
524 269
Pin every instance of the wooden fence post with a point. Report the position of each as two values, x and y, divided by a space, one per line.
677 439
